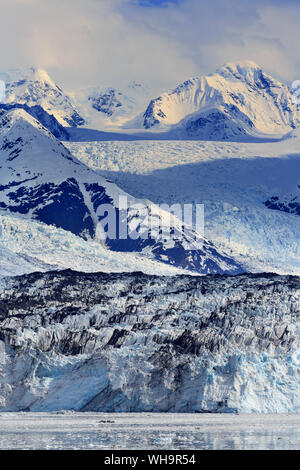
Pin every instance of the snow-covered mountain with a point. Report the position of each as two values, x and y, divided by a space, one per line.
96 107
108 108
131 342
48 120
240 99
40 179
34 87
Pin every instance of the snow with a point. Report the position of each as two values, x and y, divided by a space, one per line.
42 180
126 342
152 431
232 180
240 99
33 86
28 246
110 108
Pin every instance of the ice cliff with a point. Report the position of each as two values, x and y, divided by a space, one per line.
134 342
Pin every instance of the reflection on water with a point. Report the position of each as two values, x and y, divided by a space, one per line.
79 431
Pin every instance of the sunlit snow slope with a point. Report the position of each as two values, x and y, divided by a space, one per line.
240 99
34 87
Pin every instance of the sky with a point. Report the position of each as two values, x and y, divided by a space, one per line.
160 43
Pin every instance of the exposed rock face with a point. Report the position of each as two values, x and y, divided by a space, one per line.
106 102
132 342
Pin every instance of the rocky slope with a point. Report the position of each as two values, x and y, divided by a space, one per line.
289 203
132 342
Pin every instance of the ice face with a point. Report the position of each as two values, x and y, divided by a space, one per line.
132 342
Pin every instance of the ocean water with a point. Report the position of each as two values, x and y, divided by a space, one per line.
72 430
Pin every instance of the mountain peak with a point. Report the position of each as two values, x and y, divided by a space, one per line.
33 86
239 100
17 116
39 74
27 74
244 68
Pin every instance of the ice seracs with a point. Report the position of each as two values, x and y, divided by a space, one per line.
131 342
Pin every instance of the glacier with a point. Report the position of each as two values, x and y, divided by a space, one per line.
41 180
134 342
234 181
27 246
118 327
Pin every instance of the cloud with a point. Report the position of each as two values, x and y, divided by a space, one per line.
155 3
158 42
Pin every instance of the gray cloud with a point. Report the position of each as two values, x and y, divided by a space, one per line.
107 42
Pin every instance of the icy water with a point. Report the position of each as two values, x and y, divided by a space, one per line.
68 430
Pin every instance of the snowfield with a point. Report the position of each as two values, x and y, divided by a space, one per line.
233 181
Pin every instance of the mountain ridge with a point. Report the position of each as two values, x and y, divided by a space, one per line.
239 99
42 180
33 86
